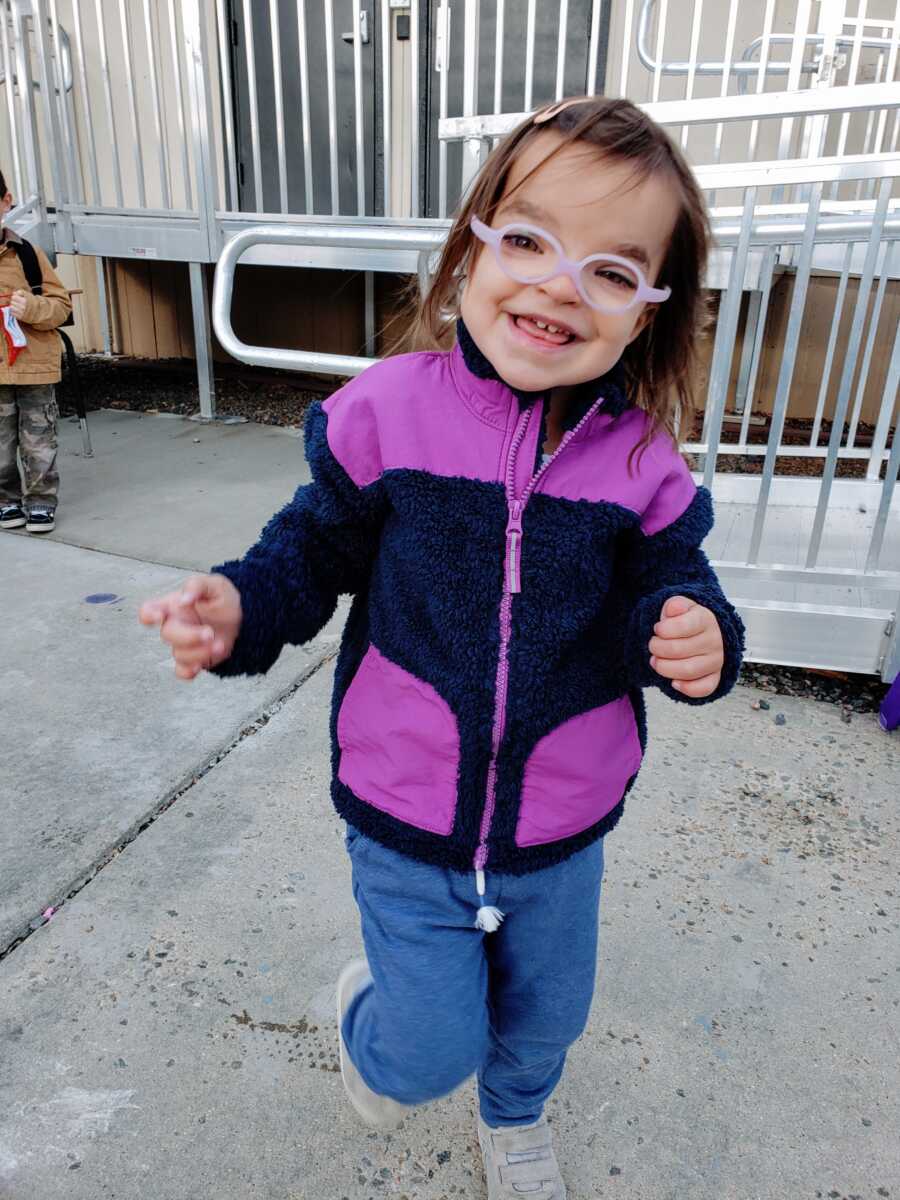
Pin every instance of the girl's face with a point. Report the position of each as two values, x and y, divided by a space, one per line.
591 205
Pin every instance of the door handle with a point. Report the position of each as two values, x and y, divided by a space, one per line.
349 38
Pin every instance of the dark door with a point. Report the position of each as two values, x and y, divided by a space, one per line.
266 122
515 27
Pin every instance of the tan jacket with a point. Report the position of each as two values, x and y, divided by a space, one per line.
39 361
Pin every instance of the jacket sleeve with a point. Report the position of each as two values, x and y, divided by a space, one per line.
320 546
669 562
53 307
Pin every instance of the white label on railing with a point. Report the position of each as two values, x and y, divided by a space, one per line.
144 251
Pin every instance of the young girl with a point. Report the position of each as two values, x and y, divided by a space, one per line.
521 539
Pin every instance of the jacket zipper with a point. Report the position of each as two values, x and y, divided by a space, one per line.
512 585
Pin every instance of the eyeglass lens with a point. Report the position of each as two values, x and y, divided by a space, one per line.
527 255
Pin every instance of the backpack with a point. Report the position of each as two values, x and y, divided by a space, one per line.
32 268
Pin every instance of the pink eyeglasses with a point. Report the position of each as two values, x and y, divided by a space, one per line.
606 282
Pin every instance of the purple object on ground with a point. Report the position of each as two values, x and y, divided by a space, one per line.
890 707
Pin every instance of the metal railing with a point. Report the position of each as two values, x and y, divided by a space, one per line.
174 160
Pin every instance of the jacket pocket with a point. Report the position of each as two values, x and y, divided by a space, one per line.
399 745
577 773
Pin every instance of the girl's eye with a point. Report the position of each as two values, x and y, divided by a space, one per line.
616 278
520 241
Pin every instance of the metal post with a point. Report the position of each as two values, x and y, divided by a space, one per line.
203 343
107 96
303 56
89 123
530 25
55 150
726 328
159 126
414 183
223 39
472 148
386 24
11 102
754 303
332 108
179 110
850 360
498 56
369 278
132 104
443 66
786 373
759 332
279 106
105 327
250 57
197 57
358 120
200 108
890 478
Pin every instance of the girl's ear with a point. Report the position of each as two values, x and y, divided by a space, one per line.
643 321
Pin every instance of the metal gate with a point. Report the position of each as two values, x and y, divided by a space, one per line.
176 128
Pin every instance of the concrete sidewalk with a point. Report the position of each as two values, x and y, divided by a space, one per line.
170 1032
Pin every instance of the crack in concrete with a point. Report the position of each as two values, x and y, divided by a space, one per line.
189 780
50 540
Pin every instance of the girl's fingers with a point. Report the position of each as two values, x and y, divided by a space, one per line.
195 590
185 635
154 612
676 605
698 688
691 647
687 668
688 624
186 672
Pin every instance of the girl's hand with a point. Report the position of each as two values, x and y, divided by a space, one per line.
688 647
201 622
18 303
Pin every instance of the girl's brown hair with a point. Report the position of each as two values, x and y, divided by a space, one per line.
660 363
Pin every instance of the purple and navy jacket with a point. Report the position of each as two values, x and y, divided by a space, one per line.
487 704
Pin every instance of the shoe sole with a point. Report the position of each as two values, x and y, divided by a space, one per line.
39 528
380 1112
17 524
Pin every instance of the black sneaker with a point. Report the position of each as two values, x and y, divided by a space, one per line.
41 519
12 516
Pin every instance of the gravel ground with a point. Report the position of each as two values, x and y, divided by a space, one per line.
851 693
273 398
170 386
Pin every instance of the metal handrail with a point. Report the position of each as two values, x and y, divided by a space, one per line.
423 240
858 97
741 66
66 56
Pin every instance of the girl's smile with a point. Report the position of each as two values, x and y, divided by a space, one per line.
539 336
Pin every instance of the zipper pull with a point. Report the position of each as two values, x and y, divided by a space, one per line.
488 917
514 548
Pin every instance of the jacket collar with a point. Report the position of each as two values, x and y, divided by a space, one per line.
477 378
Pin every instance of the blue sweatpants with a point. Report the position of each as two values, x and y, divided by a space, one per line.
448 1000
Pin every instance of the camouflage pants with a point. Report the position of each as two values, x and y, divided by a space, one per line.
28 424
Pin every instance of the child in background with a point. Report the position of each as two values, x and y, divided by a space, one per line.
29 368
522 541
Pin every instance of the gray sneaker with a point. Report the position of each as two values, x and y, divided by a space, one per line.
519 1161
379 1111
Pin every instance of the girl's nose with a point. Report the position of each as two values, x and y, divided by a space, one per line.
561 289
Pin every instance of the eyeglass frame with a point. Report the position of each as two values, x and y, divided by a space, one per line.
568 266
